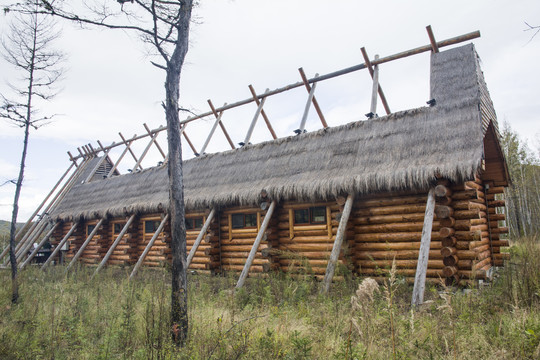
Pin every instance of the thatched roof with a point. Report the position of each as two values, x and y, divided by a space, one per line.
404 150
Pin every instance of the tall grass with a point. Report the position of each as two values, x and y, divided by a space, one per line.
277 317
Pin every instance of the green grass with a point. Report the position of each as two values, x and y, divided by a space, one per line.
277 317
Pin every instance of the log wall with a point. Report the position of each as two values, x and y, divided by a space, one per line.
465 239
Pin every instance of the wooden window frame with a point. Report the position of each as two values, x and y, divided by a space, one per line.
194 218
119 222
243 229
89 231
310 216
326 225
156 220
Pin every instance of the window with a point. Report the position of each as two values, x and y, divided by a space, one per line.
117 227
89 229
195 223
312 215
240 221
150 226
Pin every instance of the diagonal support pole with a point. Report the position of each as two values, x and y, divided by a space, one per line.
155 141
59 246
336 249
130 151
221 125
315 102
263 113
203 231
302 128
148 247
254 121
369 65
211 133
255 246
85 243
423 254
114 244
40 245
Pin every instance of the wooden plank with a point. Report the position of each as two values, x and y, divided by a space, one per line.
423 255
200 237
256 244
114 244
148 247
84 244
59 246
336 249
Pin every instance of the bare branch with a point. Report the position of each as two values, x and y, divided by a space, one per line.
536 30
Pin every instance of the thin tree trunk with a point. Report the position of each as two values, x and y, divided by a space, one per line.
179 313
28 122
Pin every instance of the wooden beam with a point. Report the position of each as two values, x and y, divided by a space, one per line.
114 244
254 121
336 249
315 102
148 247
40 245
256 244
372 73
221 124
434 46
189 142
60 245
84 244
306 109
203 231
23 250
263 113
423 255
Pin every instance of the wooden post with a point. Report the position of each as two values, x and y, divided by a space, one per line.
211 133
375 90
254 121
256 244
40 245
148 247
85 243
306 109
423 255
114 244
59 246
336 249
200 237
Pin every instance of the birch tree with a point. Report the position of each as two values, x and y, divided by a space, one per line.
164 25
28 48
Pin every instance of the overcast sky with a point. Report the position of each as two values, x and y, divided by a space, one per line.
110 85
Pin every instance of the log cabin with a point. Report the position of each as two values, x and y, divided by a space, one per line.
358 189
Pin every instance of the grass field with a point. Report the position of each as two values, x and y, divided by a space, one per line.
108 317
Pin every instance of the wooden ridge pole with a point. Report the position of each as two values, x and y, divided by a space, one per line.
423 255
40 245
59 246
85 243
200 237
148 247
114 244
315 102
256 244
336 249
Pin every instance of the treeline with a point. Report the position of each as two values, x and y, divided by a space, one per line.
523 195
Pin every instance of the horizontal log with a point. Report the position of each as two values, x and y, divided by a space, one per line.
448 251
451 260
497 203
502 256
401 264
252 269
500 230
449 271
443 211
388 219
445 232
393 254
390 210
242 261
482 263
465 195
394 227
241 248
394 246
500 243
442 191
306 262
432 273
496 190
309 240
394 201
448 222
467 214
394 237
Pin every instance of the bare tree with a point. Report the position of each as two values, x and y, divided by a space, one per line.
164 24
28 48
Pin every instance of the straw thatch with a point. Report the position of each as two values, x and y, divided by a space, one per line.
404 150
